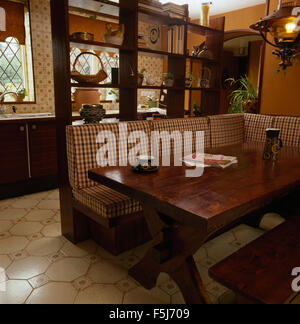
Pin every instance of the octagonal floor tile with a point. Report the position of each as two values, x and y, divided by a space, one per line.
80 250
247 234
100 294
53 293
106 273
5 203
44 246
5 261
39 215
49 204
67 269
53 230
12 244
17 291
54 195
27 268
26 228
24 203
12 214
5 226
37 195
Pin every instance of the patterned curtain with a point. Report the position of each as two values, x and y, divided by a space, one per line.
15 26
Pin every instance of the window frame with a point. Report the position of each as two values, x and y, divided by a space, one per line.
24 54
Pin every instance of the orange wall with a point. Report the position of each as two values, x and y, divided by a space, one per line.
82 24
243 18
279 92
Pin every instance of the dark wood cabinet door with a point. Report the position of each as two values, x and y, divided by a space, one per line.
42 147
13 153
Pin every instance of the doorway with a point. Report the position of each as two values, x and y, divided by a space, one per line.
242 56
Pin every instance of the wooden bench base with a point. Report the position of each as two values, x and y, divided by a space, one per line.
261 272
114 235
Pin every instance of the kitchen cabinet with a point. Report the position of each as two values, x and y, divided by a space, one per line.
13 153
42 144
28 150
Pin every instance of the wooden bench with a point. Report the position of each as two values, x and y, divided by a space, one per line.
261 272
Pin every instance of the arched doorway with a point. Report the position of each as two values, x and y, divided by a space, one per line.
242 56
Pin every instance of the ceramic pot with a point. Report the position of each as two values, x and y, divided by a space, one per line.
114 40
92 114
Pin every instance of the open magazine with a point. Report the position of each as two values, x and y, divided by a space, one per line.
210 160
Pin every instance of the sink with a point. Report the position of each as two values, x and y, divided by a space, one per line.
14 116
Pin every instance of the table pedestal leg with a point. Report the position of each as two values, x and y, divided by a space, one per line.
190 283
172 253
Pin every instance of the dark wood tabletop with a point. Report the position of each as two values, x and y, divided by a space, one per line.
182 213
219 196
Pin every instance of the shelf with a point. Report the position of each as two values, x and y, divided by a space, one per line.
105 86
99 46
150 52
158 17
161 88
203 59
98 7
203 89
201 30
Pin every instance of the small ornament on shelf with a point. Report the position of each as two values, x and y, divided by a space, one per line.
116 36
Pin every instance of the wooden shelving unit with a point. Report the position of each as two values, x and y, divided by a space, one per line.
129 13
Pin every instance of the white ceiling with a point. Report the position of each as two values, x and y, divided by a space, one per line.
218 6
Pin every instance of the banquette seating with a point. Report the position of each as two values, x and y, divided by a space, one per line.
116 221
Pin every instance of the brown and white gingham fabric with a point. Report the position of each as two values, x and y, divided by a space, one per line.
82 148
289 130
256 126
106 202
183 125
226 130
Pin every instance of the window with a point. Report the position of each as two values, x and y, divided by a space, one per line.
88 64
11 72
16 72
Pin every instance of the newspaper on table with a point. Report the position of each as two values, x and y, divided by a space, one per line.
210 160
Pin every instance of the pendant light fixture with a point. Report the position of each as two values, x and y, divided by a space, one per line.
284 27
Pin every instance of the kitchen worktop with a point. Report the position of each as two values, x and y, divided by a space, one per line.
19 118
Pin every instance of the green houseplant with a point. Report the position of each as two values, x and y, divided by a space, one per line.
244 98
21 95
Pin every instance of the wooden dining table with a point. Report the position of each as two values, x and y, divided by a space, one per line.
182 213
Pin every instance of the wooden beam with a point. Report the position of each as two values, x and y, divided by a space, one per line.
63 107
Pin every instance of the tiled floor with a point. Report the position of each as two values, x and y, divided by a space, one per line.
43 267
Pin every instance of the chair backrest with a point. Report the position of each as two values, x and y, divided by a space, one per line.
227 130
255 127
183 125
289 130
82 147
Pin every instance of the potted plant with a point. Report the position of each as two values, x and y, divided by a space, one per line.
21 95
141 77
169 79
245 98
